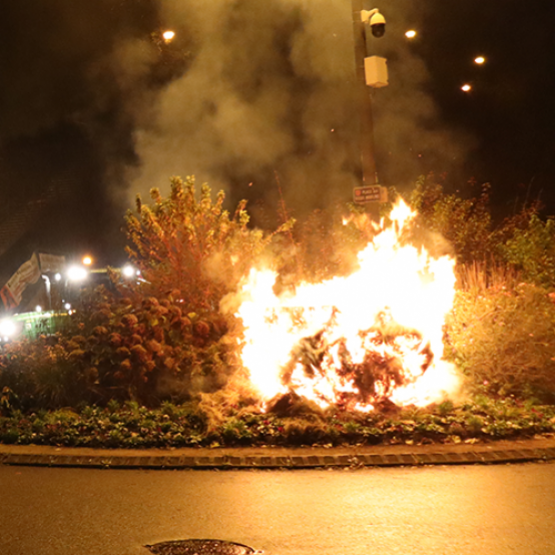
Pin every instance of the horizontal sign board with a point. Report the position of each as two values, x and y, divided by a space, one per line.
369 193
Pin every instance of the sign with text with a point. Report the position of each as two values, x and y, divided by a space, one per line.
369 193
51 262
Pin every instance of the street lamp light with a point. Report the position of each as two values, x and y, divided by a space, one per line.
76 273
168 35
8 328
129 271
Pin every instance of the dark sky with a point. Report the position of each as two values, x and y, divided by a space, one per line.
256 96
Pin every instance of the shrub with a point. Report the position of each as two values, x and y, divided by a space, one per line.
162 337
503 338
465 223
192 246
298 431
532 250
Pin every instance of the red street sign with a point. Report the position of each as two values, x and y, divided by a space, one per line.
369 193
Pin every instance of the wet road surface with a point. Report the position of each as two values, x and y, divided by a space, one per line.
459 510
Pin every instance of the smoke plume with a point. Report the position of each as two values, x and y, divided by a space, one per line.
266 104
255 97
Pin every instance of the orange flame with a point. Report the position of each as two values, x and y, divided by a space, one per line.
355 341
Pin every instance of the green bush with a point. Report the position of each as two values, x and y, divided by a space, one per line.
190 243
465 222
532 251
120 349
503 339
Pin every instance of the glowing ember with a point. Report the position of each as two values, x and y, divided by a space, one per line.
359 341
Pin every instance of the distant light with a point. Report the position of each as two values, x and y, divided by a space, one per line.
128 271
77 273
411 34
168 35
38 308
67 306
87 260
7 328
479 60
466 87
58 276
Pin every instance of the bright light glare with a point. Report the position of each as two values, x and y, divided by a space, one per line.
58 276
168 35
128 271
38 308
466 88
411 34
76 273
7 328
479 60
67 306
87 260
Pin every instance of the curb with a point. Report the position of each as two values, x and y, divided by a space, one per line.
444 456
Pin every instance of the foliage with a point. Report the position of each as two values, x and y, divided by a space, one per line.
186 425
501 330
123 348
193 246
465 223
161 337
521 240
532 250
326 243
502 336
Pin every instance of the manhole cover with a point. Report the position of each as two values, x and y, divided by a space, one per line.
200 547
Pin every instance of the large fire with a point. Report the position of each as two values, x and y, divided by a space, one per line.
359 341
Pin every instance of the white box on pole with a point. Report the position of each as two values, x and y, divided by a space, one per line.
375 69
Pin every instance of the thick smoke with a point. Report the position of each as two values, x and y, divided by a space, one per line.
74 84
267 104
256 97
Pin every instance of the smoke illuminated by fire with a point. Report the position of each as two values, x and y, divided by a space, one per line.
359 341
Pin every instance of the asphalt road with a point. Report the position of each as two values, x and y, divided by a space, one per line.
459 510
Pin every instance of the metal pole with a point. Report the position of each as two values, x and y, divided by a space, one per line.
48 290
369 172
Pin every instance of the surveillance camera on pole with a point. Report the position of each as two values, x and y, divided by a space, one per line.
375 67
375 20
371 71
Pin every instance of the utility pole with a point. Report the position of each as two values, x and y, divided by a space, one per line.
369 172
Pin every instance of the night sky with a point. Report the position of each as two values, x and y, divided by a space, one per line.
258 98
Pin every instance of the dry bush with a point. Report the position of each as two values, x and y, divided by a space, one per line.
501 333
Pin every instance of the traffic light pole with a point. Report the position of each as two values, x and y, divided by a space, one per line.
369 172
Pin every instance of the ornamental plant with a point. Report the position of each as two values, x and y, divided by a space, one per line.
501 334
465 223
531 249
162 337
190 243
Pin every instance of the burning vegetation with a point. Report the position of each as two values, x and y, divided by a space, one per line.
329 320
361 341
